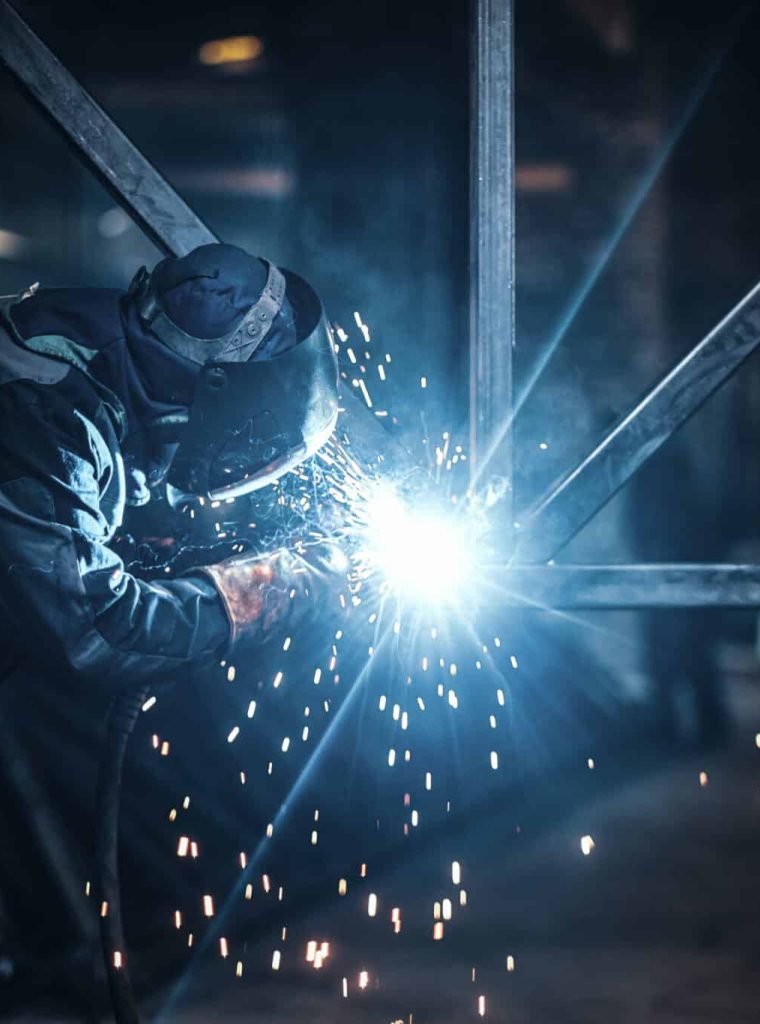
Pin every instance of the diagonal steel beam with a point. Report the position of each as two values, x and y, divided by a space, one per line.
133 181
632 586
136 185
556 517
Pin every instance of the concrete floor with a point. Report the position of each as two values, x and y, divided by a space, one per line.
660 923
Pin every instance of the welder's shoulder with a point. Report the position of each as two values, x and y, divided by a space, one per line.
45 415
85 318
50 405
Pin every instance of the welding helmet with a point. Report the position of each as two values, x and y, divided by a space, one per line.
266 390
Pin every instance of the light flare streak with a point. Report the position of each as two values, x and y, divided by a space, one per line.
638 196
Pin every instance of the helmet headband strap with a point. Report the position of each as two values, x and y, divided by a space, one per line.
236 346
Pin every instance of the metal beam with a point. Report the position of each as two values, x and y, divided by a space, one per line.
132 180
556 518
632 586
492 270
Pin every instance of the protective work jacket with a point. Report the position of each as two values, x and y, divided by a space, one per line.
80 390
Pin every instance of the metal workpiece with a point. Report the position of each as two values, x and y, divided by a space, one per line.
130 178
556 518
492 240
681 585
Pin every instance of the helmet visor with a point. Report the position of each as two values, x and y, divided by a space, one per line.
251 422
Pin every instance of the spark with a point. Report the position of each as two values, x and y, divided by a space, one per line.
419 552
324 742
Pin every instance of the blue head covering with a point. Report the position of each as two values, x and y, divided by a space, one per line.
209 291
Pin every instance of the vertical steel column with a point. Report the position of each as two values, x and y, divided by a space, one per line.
492 270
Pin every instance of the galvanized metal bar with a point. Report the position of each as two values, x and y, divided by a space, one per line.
492 267
632 586
132 180
567 507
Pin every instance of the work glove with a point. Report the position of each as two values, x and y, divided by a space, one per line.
277 590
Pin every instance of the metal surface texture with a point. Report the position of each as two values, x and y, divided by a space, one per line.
633 586
492 270
132 180
567 507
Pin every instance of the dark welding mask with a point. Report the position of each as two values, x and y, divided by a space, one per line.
266 393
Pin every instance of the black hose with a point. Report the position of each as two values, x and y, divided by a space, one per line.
122 717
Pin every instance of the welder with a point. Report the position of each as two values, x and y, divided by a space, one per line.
210 377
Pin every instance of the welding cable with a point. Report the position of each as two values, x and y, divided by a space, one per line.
122 717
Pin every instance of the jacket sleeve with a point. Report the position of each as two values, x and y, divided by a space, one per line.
65 593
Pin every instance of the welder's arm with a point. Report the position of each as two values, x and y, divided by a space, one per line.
276 589
64 593
71 600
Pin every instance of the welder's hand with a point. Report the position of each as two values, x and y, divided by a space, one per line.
278 590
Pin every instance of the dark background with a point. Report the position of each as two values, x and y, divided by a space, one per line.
343 152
